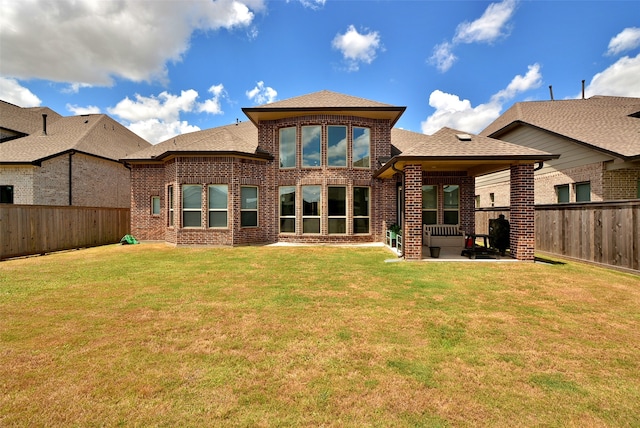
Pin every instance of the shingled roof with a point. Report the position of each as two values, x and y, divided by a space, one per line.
609 124
22 120
95 134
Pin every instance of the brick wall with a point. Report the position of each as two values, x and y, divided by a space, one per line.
621 184
412 238
522 216
21 178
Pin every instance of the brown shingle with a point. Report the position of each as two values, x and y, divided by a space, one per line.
604 123
25 120
324 99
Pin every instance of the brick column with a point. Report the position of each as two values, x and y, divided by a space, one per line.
522 215
412 233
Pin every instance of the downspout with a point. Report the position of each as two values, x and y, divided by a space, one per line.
71 153
404 190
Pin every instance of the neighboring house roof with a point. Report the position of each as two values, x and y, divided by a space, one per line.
324 102
24 121
95 134
609 124
237 139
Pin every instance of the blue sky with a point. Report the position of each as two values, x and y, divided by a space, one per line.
165 67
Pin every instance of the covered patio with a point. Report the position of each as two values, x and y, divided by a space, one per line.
454 158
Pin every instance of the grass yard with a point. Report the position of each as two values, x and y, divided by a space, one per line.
150 335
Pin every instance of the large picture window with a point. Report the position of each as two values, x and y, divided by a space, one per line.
248 206
429 204
337 146
287 209
192 205
360 210
218 203
311 141
337 210
311 198
288 147
361 147
451 196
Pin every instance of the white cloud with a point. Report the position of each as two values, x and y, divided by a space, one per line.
443 57
312 4
619 79
261 94
13 92
493 24
357 48
157 118
77 110
101 40
455 113
489 27
626 40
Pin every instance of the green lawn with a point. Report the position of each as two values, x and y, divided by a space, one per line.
150 335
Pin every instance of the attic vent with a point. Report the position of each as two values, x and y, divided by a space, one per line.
636 115
464 137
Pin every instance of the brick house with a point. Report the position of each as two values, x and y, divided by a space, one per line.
48 159
599 142
321 168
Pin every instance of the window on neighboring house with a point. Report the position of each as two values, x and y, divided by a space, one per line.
287 209
337 146
361 147
311 209
170 204
155 205
192 205
451 195
361 210
477 201
288 147
492 198
562 193
583 192
429 204
6 194
337 209
248 206
311 139
638 188
218 203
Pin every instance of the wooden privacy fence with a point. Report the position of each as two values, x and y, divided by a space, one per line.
39 229
600 232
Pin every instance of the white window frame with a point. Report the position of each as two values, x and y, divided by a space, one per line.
311 217
295 145
354 161
342 217
353 208
244 209
170 205
155 206
218 209
190 209
287 217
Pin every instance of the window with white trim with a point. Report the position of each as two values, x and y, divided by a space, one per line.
451 197
287 145
311 203
361 209
311 143
337 146
337 210
248 206
218 205
155 205
192 205
170 205
288 209
361 144
429 204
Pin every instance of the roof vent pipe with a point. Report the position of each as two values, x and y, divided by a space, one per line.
583 89
551 92
44 124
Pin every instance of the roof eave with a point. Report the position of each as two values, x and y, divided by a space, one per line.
259 114
264 156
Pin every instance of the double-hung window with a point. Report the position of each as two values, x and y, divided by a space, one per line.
361 210
248 206
336 146
192 205
287 209
361 147
429 204
311 198
451 194
170 204
287 147
337 210
218 205
311 142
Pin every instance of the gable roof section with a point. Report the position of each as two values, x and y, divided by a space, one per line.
95 134
239 139
608 124
24 121
324 102
454 150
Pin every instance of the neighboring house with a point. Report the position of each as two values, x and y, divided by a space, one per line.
321 168
48 159
599 142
